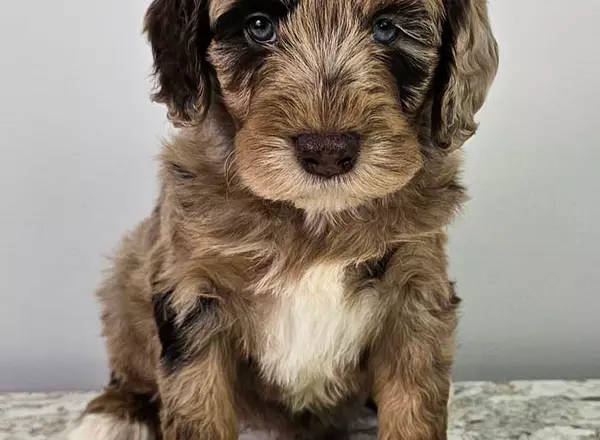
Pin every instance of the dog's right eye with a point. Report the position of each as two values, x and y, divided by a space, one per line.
261 29
385 31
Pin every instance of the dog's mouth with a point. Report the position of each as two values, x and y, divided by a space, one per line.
327 204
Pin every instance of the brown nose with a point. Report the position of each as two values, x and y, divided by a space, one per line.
327 155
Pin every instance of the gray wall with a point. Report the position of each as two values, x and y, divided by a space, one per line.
77 169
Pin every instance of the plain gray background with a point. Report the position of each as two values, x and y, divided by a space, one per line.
78 139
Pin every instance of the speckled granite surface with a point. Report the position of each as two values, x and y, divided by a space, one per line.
479 411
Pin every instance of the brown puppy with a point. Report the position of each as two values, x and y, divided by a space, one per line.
294 266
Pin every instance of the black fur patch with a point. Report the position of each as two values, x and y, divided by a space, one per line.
410 74
121 399
454 298
233 46
180 172
377 268
413 17
371 405
114 380
456 16
232 23
245 59
173 336
179 32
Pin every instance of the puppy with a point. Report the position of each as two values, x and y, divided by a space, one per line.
294 267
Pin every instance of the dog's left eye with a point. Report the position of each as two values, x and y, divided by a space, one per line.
385 31
261 29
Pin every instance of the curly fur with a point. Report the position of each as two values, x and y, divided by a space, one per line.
256 292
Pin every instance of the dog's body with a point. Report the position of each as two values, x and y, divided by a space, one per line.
272 285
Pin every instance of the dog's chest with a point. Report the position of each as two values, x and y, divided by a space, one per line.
313 334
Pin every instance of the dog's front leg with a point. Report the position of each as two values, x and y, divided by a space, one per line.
196 371
411 360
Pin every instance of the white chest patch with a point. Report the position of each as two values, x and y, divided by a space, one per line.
313 334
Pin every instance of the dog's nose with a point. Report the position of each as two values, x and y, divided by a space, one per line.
328 155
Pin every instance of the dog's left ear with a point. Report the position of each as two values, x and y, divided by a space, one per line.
468 65
179 33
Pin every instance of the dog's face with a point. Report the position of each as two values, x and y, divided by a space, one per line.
333 100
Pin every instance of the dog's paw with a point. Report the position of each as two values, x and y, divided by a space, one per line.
105 427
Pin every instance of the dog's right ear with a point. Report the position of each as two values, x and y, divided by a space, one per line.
179 33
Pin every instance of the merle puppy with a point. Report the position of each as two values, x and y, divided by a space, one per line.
294 267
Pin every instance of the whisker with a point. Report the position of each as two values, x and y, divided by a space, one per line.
229 171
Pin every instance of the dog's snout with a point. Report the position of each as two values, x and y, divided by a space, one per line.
327 155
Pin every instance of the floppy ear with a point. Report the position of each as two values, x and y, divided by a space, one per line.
179 33
468 65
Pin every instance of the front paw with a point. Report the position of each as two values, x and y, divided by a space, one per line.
178 429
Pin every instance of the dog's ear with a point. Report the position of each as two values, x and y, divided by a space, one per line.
468 65
179 33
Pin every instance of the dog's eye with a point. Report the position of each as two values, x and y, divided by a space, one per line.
261 29
385 31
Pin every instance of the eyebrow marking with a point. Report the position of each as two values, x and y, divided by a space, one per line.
233 19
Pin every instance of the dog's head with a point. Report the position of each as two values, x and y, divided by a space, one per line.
334 101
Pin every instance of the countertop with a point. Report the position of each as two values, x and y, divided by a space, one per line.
535 410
